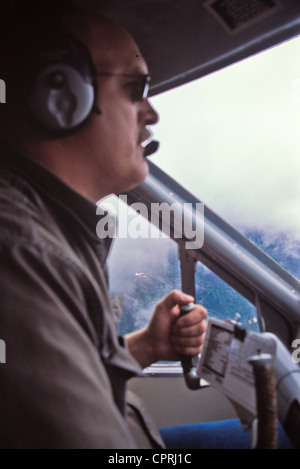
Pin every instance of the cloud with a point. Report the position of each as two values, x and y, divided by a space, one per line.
232 139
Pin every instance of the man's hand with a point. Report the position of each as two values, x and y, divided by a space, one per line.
166 336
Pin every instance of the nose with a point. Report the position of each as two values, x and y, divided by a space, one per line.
150 115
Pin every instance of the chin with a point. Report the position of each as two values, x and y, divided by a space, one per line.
138 175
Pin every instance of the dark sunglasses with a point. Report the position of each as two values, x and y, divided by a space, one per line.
139 87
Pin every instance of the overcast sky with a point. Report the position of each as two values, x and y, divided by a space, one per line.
233 138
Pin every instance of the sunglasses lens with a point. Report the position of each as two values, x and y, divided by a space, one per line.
146 87
140 86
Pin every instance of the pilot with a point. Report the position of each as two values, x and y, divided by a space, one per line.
70 135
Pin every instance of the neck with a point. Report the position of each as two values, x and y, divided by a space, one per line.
67 162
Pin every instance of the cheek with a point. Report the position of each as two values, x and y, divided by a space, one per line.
126 127
119 117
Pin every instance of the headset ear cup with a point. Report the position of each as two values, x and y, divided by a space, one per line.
61 99
60 89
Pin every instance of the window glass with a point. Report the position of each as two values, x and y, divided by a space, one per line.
143 271
231 138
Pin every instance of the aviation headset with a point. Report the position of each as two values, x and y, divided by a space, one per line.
58 82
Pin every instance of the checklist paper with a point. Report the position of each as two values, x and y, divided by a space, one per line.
224 361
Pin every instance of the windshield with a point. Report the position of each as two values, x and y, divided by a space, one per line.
232 139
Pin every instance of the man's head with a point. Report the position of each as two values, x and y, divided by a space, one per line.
104 155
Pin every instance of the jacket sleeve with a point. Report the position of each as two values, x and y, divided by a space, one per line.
54 392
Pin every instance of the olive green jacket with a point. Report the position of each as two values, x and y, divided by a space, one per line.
64 381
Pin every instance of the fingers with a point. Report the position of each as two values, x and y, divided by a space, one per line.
177 297
188 341
196 316
191 347
186 337
188 333
194 330
171 334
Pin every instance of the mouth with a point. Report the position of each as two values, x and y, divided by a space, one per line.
145 137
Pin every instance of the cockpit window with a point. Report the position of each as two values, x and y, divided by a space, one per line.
143 271
232 139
